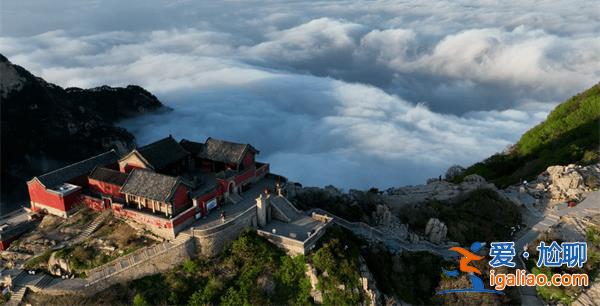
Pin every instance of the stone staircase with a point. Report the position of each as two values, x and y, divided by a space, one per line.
182 238
93 226
132 259
286 208
45 282
17 297
24 280
590 297
234 198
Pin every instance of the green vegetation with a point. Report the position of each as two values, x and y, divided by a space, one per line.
38 261
356 206
251 272
337 264
567 294
481 215
562 295
139 300
570 134
411 276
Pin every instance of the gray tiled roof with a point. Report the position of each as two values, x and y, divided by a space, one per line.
224 151
163 152
84 167
192 146
150 185
109 176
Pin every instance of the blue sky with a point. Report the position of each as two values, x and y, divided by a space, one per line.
355 94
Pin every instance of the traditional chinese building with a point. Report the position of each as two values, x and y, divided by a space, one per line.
58 191
164 186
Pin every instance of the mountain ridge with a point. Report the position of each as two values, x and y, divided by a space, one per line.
45 126
569 135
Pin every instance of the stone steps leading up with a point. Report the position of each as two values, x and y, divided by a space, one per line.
17 297
182 238
19 277
46 281
286 208
93 226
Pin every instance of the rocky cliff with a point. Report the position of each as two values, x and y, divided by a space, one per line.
45 126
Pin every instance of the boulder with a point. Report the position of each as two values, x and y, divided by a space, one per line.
568 181
436 230
383 215
474 178
58 266
554 171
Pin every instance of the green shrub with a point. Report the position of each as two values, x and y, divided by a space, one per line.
481 215
570 134
139 300
338 267
189 266
36 262
412 276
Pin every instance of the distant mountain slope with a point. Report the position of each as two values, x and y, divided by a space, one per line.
45 126
570 134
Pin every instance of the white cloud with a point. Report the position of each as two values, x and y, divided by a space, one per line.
347 93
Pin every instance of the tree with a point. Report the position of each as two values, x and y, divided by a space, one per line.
454 172
139 300
190 267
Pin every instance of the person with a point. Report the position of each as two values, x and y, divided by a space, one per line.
223 216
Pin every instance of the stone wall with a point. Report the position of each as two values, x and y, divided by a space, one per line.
293 246
210 242
92 202
290 246
278 214
162 262
157 225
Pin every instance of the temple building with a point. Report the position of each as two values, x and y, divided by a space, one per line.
164 186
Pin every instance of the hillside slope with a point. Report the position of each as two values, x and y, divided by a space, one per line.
570 134
45 126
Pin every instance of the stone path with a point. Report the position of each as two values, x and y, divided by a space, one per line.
23 280
590 296
392 242
125 262
286 208
588 207
92 227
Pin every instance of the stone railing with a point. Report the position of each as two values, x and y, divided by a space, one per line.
196 232
96 274
131 260
280 238
371 233
294 246
345 223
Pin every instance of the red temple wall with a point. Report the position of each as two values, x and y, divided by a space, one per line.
248 159
38 194
105 188
180 199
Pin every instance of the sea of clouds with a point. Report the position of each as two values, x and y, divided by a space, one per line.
355 94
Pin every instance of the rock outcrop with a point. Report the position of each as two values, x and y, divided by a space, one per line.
434 190
556 186
567 182
58 266
436 230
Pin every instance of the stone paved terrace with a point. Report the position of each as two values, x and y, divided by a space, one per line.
297 229
232 210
